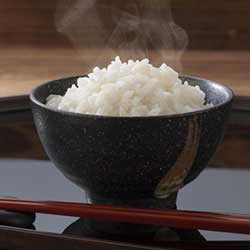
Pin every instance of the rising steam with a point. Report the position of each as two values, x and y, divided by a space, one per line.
131 29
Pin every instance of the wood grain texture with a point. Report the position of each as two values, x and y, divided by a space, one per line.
234 151
214 24
22 69
19 138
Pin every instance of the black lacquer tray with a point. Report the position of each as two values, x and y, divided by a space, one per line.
219 190
40 180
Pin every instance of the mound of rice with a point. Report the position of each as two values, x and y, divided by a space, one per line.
135 88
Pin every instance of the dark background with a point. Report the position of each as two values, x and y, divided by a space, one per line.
213 24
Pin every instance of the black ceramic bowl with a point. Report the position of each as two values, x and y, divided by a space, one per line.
141 161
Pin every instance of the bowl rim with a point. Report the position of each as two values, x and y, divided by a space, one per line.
34 100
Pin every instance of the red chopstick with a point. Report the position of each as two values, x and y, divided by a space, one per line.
233 223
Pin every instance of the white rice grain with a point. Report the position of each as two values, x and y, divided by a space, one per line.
135 88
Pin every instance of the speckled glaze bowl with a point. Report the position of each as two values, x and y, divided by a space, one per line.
137 161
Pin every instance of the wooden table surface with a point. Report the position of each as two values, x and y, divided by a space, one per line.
23 68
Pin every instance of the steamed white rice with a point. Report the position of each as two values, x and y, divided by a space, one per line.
133 88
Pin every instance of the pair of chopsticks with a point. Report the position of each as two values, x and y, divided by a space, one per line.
234 223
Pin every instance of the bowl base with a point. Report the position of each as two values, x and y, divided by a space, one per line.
129 232
82 228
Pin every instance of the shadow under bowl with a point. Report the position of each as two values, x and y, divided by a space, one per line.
137 161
